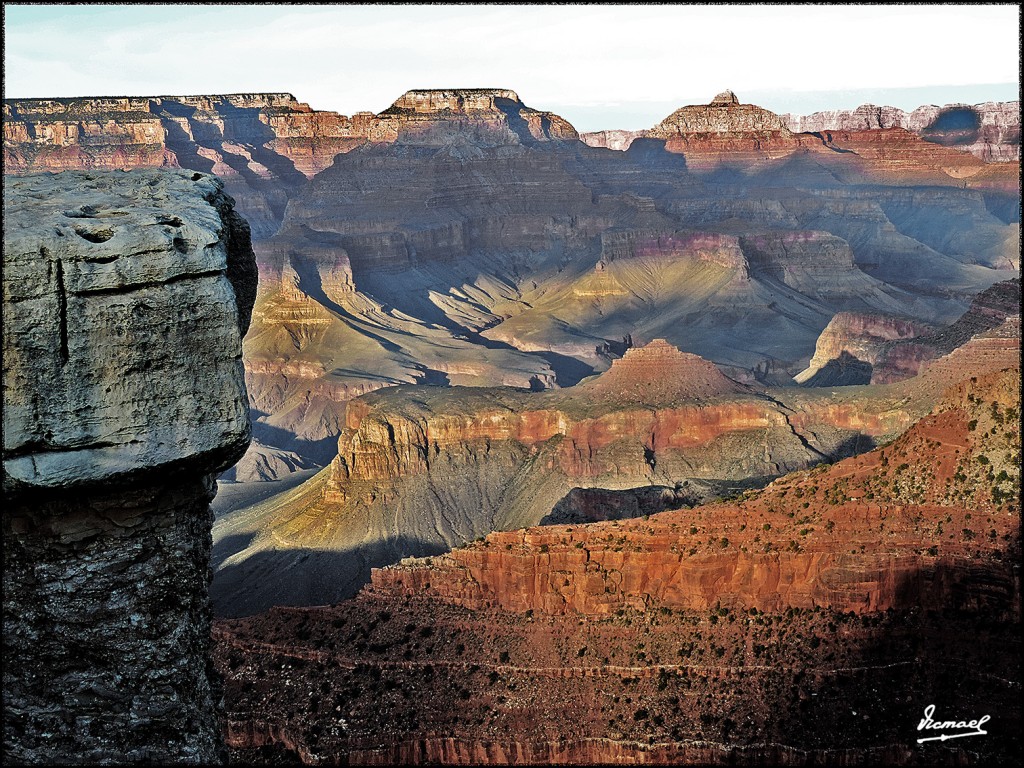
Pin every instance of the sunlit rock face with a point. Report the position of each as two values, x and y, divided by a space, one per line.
126 295
418 470
861 348
493 115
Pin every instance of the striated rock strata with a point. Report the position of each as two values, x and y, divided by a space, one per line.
853 337
421 469
991 310
264 145
126 295
461 237
932 145
990 131
894 490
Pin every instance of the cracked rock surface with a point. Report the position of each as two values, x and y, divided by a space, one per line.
126 295
125 298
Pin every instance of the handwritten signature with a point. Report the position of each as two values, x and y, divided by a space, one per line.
927 723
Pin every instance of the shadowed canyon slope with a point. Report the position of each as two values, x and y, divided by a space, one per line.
448 258
742 632
419 470
461 237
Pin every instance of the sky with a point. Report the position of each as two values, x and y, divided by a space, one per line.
598 66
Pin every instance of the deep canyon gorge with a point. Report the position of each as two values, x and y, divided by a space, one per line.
696 444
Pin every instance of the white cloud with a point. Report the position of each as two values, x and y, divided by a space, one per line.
557 57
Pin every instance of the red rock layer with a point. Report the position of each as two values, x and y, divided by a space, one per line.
116 133
896 565
656 397
868 145
744 555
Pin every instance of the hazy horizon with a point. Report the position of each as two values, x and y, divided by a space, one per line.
599 67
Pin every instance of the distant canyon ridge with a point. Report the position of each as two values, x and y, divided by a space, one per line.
989 131
218 131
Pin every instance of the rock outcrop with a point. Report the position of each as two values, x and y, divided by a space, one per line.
126 295
724 115
860 337
601 567
868 145
991 309
490 115
616 139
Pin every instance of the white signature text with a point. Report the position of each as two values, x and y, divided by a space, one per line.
927 723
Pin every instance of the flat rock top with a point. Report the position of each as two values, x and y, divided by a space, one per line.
724 115
454 99
121 333
106 226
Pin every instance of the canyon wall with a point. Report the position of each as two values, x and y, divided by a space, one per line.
263 145
462 237
858 348
888 502
126 295
990 131
808 623
420 470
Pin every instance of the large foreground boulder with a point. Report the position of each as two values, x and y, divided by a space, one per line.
126 295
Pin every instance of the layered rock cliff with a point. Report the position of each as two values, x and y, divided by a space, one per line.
461 237
741 633
419 470
126 295
869 144
851 338
491 115
732 554
859 348
990 131
264 145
